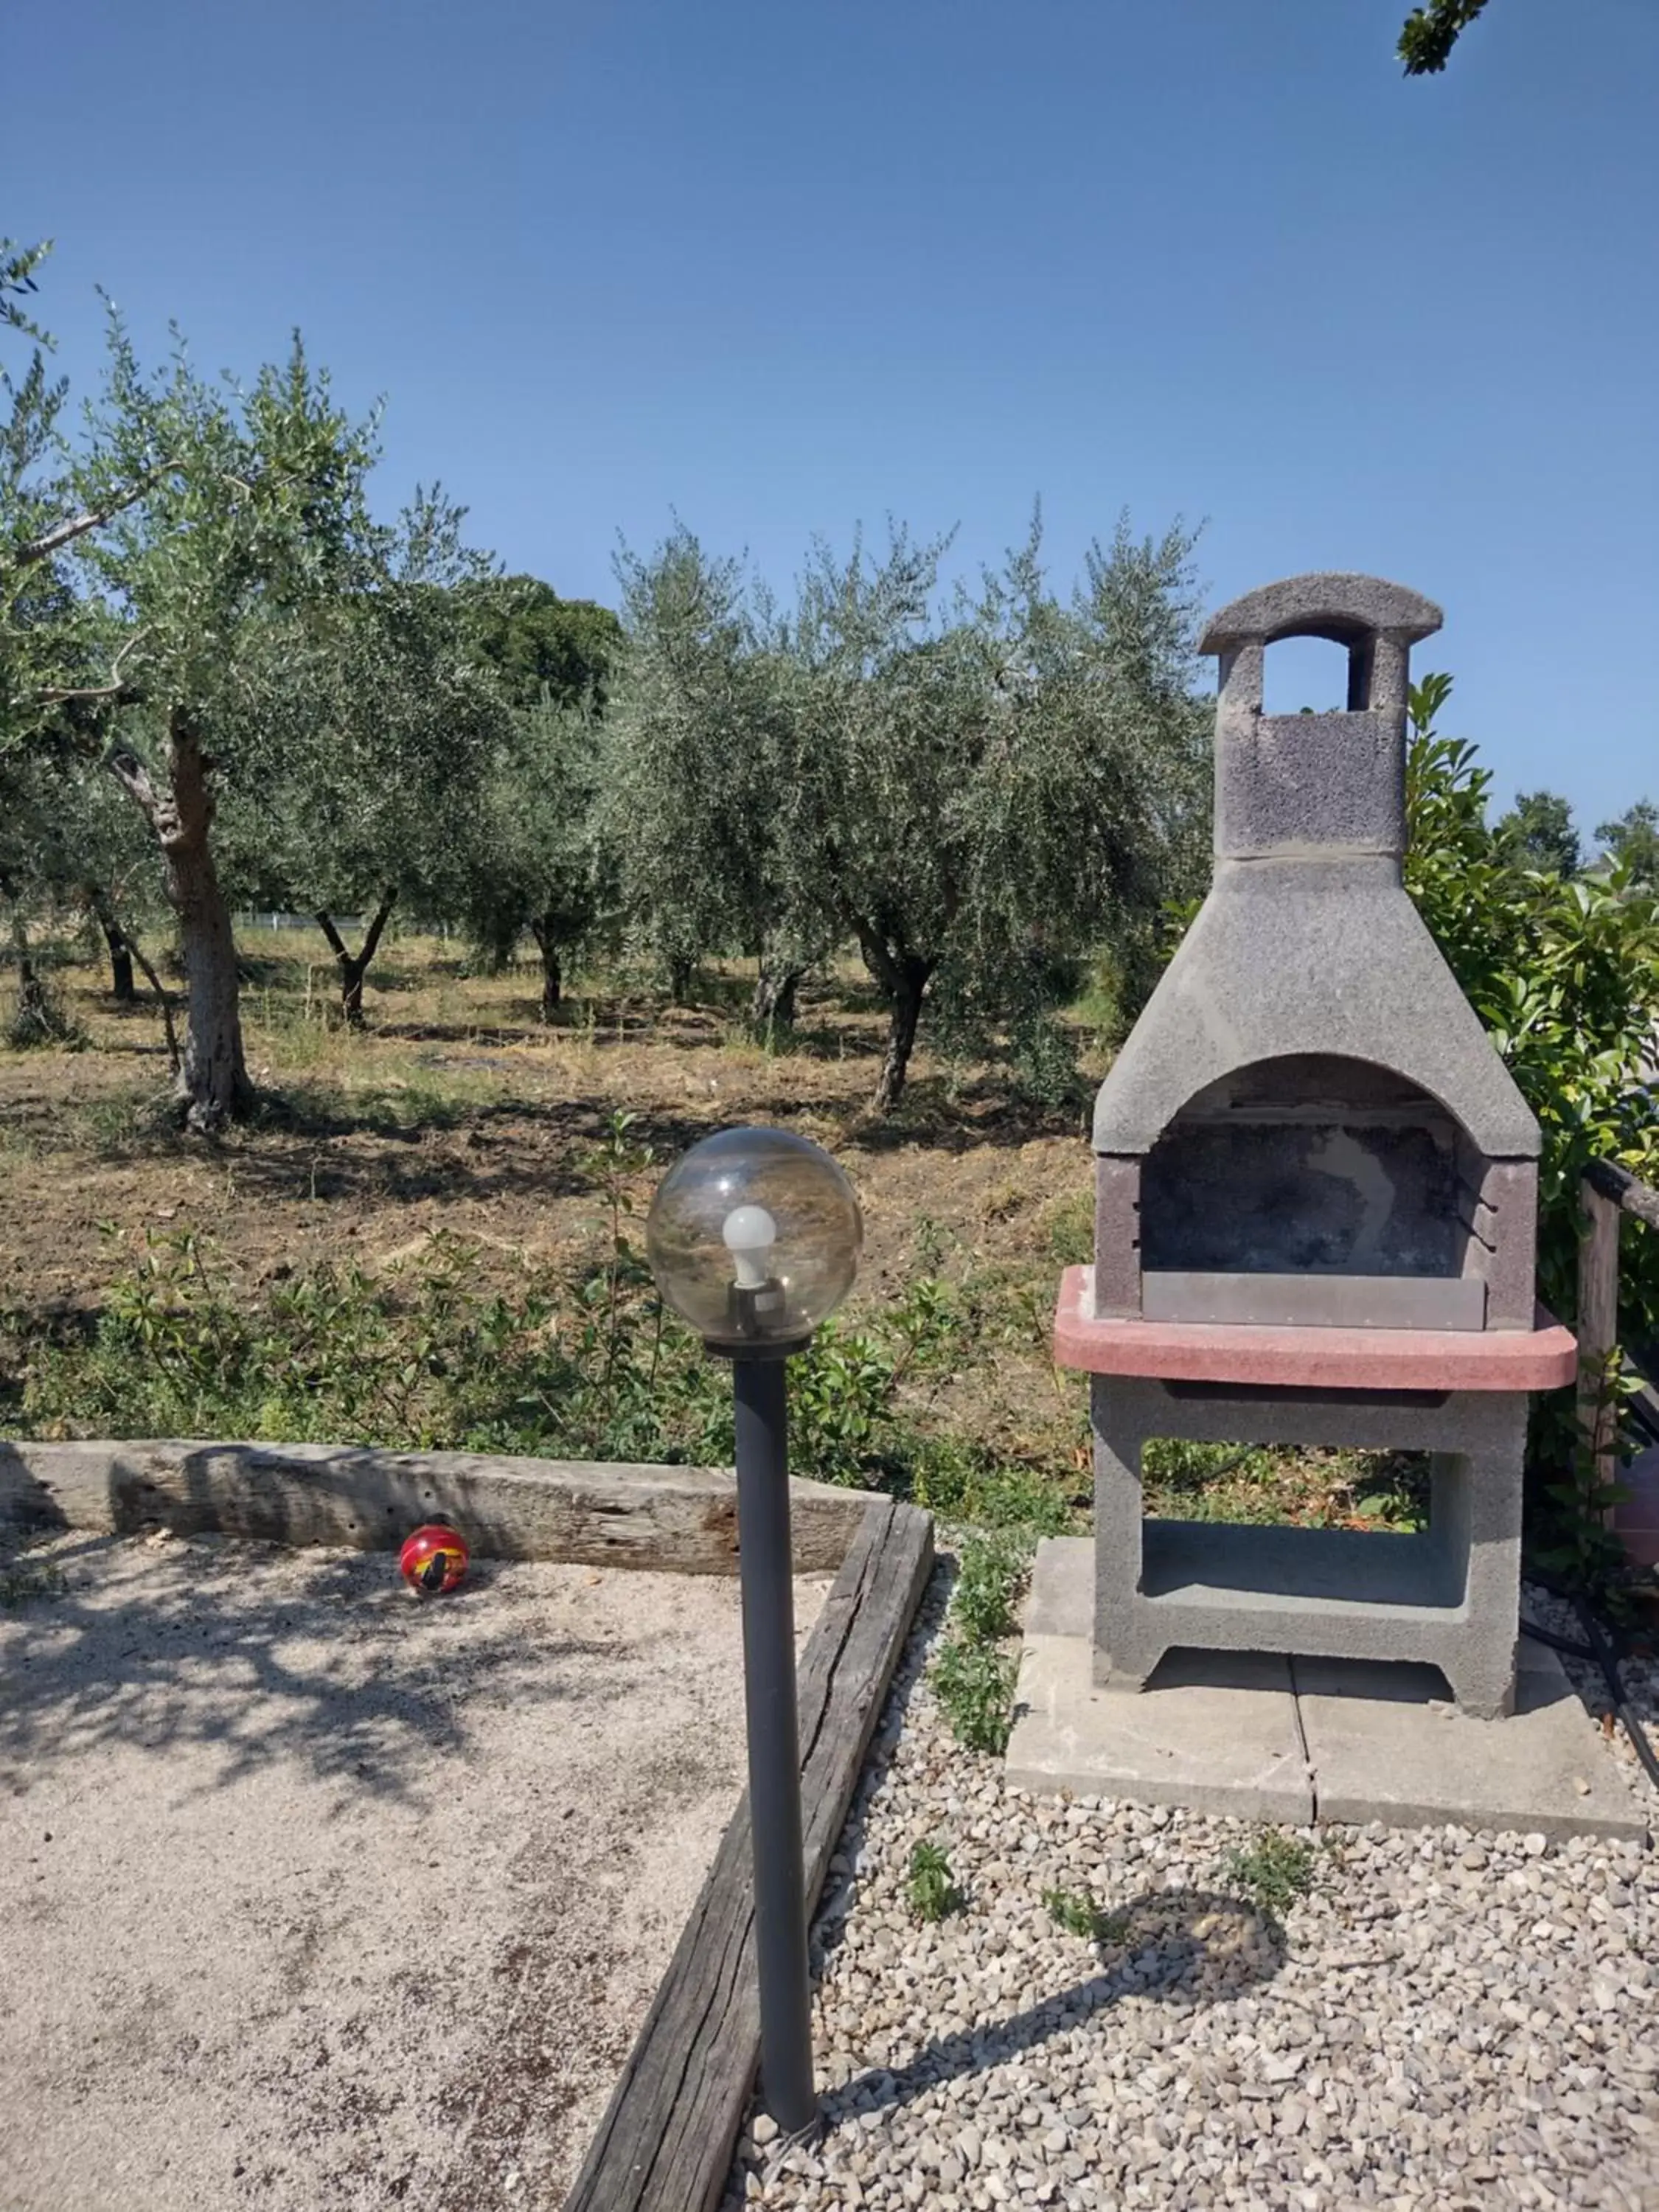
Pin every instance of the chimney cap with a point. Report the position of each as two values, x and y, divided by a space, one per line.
1343 607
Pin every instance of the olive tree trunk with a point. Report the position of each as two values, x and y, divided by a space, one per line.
122 986
774 1003
354 966
903 976
547 943
212 1085
31 1022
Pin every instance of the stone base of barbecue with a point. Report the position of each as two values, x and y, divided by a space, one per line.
1265 1737
1447 1597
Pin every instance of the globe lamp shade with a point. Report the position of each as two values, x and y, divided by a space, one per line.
754 1238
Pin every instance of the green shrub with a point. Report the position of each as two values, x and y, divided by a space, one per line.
1564 973
581 1363
40 1019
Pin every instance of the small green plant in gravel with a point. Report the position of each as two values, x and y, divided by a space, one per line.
975 1684
991 1571
40 1019
973 1677
1273 1871
1078 1913
932 1888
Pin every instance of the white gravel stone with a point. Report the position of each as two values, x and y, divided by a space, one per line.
1448 2022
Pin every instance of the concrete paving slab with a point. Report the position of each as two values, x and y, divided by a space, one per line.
1385 1744
1061 1598
1265 1738
1215 1732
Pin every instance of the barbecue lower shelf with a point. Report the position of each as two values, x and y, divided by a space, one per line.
1253 1571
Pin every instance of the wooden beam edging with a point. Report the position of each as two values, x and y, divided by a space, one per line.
1605 1192
1623 1189
598 1513
1597 1331
666 2140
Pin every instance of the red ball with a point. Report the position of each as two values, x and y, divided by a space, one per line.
434 1558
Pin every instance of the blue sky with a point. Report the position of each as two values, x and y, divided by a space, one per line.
784 268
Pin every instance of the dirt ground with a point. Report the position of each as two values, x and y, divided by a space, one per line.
457 1108
318 1897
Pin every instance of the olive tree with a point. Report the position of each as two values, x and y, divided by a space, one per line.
368 745
702 774
211 527
50 639
72 850
28 854
537 855
990 788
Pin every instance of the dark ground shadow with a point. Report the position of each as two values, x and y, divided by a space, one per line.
1170 1937
1173 1937
322 1659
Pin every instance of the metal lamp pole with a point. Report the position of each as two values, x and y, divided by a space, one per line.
768 1652
754 1237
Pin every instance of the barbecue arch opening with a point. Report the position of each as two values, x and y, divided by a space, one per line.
1314 1190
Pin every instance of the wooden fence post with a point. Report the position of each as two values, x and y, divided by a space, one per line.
1598 1330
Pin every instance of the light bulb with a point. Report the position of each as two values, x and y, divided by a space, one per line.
749 1233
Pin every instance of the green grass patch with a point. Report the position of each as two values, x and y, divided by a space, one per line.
1272 1872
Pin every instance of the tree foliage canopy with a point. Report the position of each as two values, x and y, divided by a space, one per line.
1430 32
973 786
1564 973
1630 842
543 646
18 264
1538 832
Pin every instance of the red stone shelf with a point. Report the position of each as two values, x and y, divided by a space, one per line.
1542 1358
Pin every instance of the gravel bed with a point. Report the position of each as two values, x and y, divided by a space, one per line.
1639 1676
1446 2020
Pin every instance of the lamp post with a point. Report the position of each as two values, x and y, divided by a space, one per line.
754 1238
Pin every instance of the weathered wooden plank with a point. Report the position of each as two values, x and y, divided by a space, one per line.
704 1999
1598 1326
681 1520
1609 1181
665 2142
